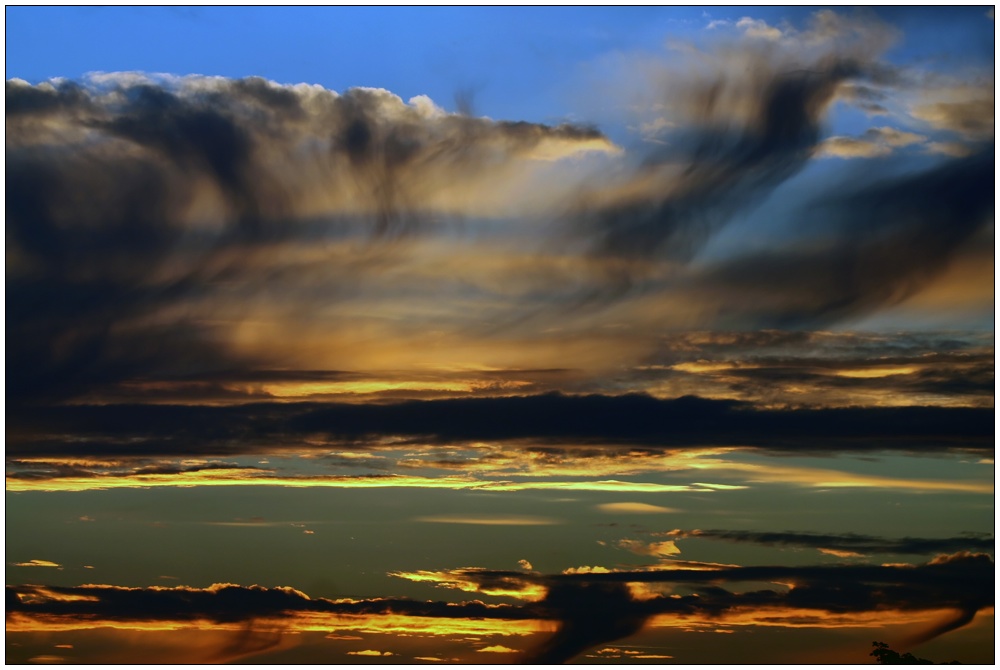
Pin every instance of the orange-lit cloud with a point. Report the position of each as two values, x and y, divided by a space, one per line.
37 563
634 508
466 579
497 649
840 553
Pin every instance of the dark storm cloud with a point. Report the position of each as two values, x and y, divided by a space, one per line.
128 196
744 125
852 542
727 168
164 430
886 241
746 118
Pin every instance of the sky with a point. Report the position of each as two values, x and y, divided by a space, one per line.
503 335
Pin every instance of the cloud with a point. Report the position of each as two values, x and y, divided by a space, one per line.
480 520
748 117
867 98
221 604
875 143
886 240
655 549
862 373
582 600
633 508
894 137
133 196
758 28
37 563
590 607
966 111
179 238
845 544
849 147
117 431
525 564
497 649
955 149
478 580
369 652
588 614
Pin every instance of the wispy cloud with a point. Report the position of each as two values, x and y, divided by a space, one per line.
487 520
634 508
37 563
847 544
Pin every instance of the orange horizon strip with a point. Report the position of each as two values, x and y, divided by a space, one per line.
20 622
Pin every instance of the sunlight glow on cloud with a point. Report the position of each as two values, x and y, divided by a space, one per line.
497 649
634 508
37 563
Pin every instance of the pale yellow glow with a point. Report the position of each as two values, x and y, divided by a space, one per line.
871 373
37 563
234 477
606 485
239 477
634 508
498 462
706 366
299 389
840 553
489 520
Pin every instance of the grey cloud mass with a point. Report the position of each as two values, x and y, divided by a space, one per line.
131 197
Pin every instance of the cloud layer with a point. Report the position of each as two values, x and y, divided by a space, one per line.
591 607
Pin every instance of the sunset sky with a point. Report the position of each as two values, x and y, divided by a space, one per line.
498 335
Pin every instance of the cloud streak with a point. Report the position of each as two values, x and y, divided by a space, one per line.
846 542
633 419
